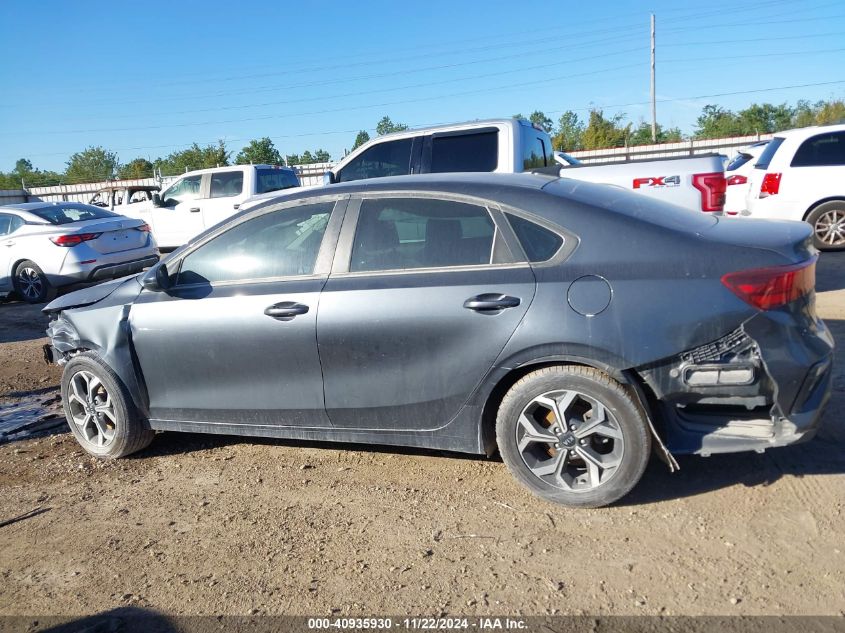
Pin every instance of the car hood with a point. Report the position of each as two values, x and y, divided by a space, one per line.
88 296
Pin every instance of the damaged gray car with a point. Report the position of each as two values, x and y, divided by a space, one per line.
575 328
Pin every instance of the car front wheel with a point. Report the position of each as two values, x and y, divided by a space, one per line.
573 435
99 411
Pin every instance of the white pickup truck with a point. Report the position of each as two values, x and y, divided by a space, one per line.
696 182
514 145
200 199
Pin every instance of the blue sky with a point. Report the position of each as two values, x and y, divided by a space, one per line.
145 79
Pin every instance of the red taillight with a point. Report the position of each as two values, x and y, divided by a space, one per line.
74 238
767 288
770 185
737 180
713 188
144 228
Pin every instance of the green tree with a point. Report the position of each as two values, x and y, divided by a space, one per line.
540 119
136 168
831 112
23 168
362 138
259 151
641 135
386 126
717 122
195 157
601 132
93 164
569 132
307 157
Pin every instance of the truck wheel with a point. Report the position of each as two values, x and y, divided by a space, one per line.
828 222
100 411
31 284
573 435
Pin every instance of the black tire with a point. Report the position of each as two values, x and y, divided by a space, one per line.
31 284
623 417
128 431
827 216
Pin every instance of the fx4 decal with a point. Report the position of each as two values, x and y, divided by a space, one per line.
657 181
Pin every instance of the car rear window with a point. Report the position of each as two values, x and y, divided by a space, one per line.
824 149
539 244
275 180
465 152
534 153
768 153
66 214
738 161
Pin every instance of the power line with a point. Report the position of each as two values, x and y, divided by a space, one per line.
416 125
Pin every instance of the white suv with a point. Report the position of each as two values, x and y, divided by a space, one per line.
801 176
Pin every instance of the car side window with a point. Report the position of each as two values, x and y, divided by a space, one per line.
534 153
5 224
539 243
277 244
392 158
408 233
227 184
188 188
823 149
476 151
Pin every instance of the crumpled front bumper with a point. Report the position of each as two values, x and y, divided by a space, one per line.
762 386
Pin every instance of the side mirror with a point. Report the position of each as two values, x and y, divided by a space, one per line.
156 200
157 279
329 178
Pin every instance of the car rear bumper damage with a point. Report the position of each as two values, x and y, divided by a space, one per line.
762 386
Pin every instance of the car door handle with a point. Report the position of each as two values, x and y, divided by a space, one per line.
286 309
194 209
9 243
491 301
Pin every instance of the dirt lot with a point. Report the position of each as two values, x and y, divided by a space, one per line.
205 524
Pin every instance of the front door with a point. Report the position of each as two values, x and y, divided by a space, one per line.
234 340
179 218
428 300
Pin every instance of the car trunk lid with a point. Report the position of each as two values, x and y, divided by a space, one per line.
116 234
788 242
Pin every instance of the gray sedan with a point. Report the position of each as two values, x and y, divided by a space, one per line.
46 245
573 327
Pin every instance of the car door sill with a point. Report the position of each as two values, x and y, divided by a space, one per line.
390 437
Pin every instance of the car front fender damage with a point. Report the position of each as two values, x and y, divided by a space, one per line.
105 331
749 390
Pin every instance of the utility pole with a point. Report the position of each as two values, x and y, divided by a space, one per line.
653 94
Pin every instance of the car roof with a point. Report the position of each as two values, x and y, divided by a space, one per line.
222 168
119 187
811 130
441 182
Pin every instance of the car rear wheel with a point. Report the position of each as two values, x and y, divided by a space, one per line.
828 222
99 411
573 435
31 284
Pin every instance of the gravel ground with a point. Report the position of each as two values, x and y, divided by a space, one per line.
207 524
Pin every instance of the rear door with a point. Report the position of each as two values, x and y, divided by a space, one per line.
461 151
424 294
226 191
234 340
8 225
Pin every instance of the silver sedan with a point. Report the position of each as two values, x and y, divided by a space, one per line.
46 245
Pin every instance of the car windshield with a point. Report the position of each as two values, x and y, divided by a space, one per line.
59 214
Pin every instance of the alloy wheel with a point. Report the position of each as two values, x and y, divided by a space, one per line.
570 440
30 283
830 227
91 409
